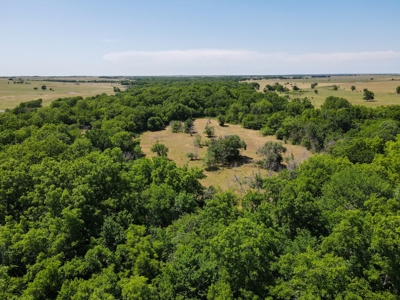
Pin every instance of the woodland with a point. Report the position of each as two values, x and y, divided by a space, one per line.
85 215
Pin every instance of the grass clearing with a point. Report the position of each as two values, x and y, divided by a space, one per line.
382 86
235 177
11 94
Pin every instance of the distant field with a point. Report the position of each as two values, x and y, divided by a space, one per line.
12 94
383 87
180 144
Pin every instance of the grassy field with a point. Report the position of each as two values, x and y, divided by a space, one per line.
12 94
236 177
382 86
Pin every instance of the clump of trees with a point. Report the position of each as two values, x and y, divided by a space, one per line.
275 88
313 85
271 153
223 150
84 215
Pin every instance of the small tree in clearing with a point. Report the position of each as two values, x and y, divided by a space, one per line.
221 120
44 87
353 88
271 154
160 149
209 131
398 90
176 126
368 95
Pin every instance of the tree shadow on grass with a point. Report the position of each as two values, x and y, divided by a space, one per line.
212 169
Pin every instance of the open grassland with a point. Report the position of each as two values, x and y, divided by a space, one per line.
234 177
382 86
11 94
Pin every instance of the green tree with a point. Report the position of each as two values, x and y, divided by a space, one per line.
398 90
209 130
160 149
188 126
221 120
368 95
271 153
44 87
176 126
224 150
155 123
353 88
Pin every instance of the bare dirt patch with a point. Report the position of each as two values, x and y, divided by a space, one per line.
235 177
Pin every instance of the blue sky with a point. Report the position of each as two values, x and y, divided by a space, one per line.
194 37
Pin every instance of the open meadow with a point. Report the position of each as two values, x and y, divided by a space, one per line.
235 177
382 86
11 94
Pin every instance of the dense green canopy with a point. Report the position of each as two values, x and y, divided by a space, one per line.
83 215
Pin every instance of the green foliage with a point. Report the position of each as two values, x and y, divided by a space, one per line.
209 130
160 149
84 216
221 120
271 153
155 124
176 126
188 126
223 150
368 95
353 88
398 90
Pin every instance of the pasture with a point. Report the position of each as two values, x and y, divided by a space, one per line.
11 94
382 86
236 177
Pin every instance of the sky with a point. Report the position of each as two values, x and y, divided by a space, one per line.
198 37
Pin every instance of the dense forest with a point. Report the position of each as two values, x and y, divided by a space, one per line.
85 215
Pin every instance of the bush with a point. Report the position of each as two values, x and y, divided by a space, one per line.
176 126
272 155
209 131
221 120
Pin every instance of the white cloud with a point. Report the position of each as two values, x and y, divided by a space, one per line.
217 61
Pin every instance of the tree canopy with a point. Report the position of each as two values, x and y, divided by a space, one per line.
84 215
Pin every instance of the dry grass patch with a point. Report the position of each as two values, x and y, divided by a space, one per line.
236 177
12 94
382 86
